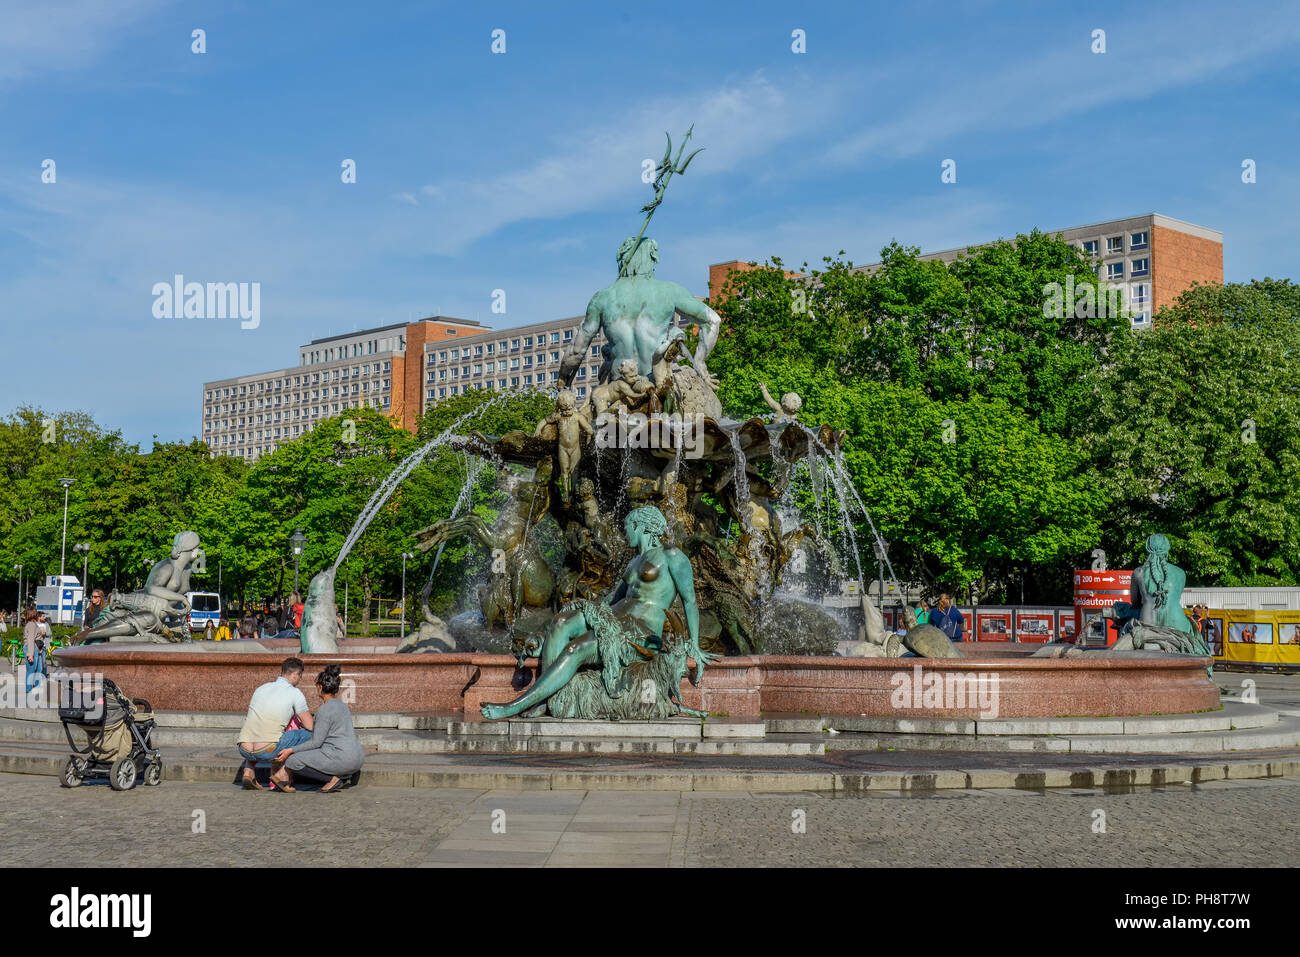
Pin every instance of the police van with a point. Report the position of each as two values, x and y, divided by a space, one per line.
205 606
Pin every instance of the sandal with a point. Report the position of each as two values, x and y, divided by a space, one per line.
339 785
283 786
250 783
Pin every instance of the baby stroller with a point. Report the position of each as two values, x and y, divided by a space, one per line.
119 732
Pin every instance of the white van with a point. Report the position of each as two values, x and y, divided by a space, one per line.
205 606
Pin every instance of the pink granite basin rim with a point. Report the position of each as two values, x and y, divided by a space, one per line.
743 686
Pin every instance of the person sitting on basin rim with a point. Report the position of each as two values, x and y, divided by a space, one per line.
597 633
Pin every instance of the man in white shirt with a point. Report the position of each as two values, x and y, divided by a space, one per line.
272 707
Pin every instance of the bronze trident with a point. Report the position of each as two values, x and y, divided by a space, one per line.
663 173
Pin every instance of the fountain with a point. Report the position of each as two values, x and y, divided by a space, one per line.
677 524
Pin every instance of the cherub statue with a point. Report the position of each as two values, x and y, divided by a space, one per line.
569 426
787 409
627 390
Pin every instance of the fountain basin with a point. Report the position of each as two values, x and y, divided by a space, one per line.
742 687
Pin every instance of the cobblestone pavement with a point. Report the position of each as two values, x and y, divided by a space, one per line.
1232 823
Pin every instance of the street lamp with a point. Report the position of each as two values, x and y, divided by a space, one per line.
67 484
18 609
405 556
85 562
298 540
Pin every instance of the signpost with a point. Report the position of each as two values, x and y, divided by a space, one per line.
1096 590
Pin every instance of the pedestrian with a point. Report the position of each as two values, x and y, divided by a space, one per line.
94 607
266 730
248 625
209 632
947 618
33 648
223 631
334 753
296 600
923 613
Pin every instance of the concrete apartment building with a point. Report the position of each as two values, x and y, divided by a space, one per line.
519 358
1152 258
249 416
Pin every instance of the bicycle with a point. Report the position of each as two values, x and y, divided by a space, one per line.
13 650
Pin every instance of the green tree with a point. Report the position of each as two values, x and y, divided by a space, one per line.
1197 435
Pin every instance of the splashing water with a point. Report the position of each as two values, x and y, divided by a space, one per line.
406 467
842 481
741 481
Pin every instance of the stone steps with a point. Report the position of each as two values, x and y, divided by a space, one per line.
1235 727
505 744
384 770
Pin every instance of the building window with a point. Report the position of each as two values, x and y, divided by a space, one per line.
1114 245
1138 241
478 352
528 380
1115 270
1141 294
1141 318
582 392
1141 267
451 332
442 393
491 347
514 381
501 383
514 345
555 337
568 335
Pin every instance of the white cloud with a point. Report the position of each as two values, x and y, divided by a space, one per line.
65 34
1174 53
597 165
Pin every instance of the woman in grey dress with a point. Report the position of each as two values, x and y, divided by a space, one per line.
333 754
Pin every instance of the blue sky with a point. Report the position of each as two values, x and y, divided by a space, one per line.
521 171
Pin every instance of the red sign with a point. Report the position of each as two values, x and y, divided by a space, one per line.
1035 626
1097 590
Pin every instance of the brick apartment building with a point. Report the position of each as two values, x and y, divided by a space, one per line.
1152 257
